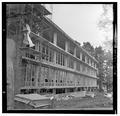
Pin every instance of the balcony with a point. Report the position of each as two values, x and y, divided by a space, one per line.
32 55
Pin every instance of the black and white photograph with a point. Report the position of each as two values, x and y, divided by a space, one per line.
59 57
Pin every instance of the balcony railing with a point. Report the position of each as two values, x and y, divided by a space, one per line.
35 56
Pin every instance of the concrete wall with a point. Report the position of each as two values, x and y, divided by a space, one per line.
19 73
14 63
10 73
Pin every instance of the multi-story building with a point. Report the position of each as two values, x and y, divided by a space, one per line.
55 64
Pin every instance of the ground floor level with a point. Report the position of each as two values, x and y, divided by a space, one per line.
65 102
44 91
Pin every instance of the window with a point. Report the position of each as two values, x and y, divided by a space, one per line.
56 58
77 53
33 47
30 75
61 42
63 60
37 46
94 65
87 60
91 62
48 36
30 55
46 80
60 59
45 52
83 57
27 54
83 69
33 75
78 66
51 55
71 48
70 63
95 73
88 70
39 76
37 57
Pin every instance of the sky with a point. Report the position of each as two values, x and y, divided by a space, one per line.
79 21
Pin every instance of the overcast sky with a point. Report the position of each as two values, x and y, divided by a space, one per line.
79 21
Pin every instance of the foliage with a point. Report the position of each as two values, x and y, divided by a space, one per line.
105 64
108 69
106 18
108 45
89 48
104 57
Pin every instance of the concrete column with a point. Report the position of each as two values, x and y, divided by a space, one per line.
54 57
11 52
65 90
76 89
95 65
66 46
37 74
55 38
81 55
75 65
85 59
54 91
66 59
75 51
92 63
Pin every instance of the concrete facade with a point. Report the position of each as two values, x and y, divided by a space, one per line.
51 67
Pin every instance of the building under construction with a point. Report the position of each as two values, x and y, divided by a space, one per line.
41 57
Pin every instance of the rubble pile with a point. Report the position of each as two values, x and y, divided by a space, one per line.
63 97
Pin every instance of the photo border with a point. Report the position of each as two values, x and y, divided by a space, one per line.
4 64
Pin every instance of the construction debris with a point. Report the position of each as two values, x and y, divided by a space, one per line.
31 101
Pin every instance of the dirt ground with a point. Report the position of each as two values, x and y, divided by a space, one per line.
99 101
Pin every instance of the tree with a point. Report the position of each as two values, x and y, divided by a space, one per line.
99 55
106 19
88 47
108 69
108 45
105 23
105 63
